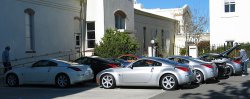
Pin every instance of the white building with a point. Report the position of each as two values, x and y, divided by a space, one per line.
150 26
229 21
40 27
183 15
105 14
121 15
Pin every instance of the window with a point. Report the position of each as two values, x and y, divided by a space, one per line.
144 38
77 32
120 19
91 35
146 63
29 30
140 63
78 39
44 63
229 6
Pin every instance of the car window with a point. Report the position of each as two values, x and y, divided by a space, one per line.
50 63
140 63
44 63
157 63
146 63
83 61
184 61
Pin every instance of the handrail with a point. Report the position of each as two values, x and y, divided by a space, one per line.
57 55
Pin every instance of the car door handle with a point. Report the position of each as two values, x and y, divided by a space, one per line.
152 69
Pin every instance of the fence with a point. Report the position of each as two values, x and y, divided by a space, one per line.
27 61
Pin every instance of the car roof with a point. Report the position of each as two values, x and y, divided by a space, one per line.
163 60
98 59
179 56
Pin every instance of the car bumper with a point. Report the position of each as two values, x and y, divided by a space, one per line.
80 77
187 78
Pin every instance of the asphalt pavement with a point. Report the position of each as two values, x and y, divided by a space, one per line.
234 87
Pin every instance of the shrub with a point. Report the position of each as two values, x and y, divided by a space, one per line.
115 43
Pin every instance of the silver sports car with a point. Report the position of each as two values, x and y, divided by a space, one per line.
147 72
203 70
49 71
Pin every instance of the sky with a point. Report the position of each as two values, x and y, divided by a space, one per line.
198 7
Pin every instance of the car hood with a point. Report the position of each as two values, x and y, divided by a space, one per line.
228 51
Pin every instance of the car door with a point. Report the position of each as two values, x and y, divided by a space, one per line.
38 72
140 72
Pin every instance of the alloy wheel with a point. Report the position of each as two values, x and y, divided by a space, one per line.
199 77
62 81
107 81
169 82
12 80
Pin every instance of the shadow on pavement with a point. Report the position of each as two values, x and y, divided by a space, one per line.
229 92
43 91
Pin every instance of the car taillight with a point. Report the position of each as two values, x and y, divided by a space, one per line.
182 68
112 65
207 65
75 68
237 61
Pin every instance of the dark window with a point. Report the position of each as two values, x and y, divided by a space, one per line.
77 31
144 38
91 34
91 26
140 63
229 6
146 63
44 63
29 30
120 19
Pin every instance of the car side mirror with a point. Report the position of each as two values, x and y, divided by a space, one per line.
131 67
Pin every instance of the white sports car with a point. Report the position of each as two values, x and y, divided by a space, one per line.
50 71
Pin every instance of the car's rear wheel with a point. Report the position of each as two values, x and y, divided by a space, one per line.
108 81
62 81
199 77
168 82
12 80
229 70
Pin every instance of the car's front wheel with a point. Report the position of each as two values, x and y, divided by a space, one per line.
168 82
107 81
62 81
12 80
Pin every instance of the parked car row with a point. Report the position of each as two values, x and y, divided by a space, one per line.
167 73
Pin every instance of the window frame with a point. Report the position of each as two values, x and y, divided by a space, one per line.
90 30
29 30
120 20
228 5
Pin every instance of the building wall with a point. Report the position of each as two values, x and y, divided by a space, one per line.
102 13
53 26
229 26
154 25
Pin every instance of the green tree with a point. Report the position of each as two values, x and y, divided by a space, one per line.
115 43
203 47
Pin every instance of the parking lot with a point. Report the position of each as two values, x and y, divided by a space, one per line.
235 87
